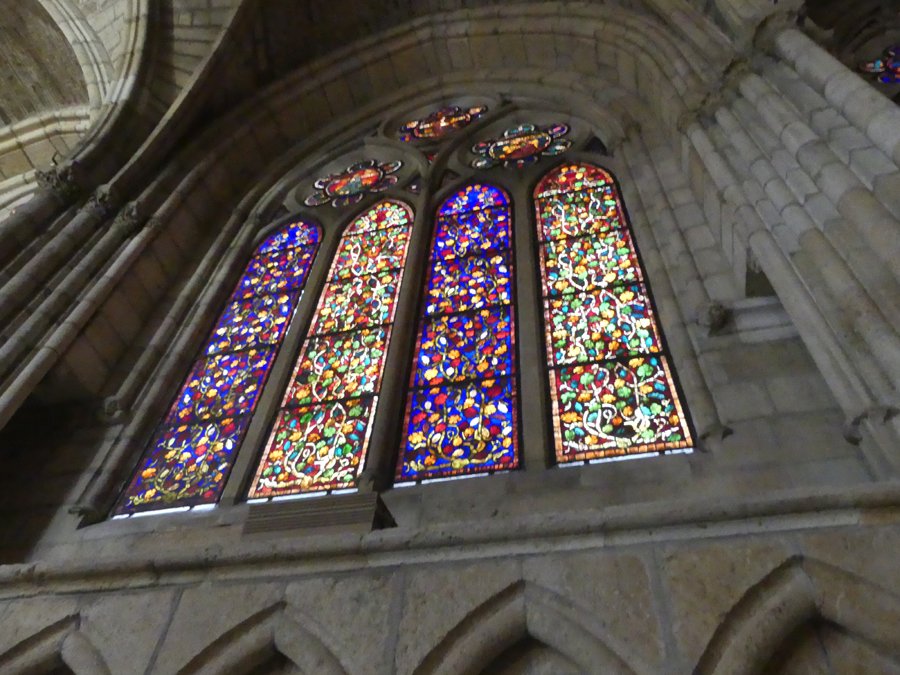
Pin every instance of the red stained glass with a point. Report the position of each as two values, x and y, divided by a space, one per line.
613 393
617 408
321 436
440 123
587 327
589 263
189 458
371 253
574 214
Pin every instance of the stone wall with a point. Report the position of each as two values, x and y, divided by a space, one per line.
769 549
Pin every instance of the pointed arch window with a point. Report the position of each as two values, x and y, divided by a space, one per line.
193 449
321 434
461 415
611 383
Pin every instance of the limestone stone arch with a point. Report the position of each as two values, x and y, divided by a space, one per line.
522 620
269 640
759 633
59 648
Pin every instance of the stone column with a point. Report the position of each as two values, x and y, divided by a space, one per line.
870 111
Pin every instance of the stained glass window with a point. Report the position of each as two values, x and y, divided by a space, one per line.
321 433
521 145
441 122
886 68
193 449
351 185
461 415
611 383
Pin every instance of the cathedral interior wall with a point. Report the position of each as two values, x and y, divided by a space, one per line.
762 195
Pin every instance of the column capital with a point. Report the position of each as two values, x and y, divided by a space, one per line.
771 27
103 202
64 182
719 95
129 216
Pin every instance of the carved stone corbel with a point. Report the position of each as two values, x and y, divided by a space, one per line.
63 182
714 317
128 217
771 27
103 203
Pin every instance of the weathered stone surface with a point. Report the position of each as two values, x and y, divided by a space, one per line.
614 589
207 611
127 628
704 582
428 616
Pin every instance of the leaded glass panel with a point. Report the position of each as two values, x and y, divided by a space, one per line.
193 449
461 415
321 434
612 389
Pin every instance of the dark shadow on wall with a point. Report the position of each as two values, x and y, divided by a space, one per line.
43 453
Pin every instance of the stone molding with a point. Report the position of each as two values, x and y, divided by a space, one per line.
809 509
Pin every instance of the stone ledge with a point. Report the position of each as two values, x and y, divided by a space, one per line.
877 504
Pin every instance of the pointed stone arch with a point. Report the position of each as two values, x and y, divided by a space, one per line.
525 613
260 637
798 592
60 643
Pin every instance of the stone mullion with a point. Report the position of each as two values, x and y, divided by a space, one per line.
387 425
533 393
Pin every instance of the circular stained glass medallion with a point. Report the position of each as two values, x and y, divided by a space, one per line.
353 183
521 145
440 122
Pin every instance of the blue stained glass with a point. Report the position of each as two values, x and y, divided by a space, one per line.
461 284
462 234
289 236
461 413
189 458
472 198
252 322
276 272
458 430
465 346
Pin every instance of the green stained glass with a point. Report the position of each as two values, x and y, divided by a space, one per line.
612 389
